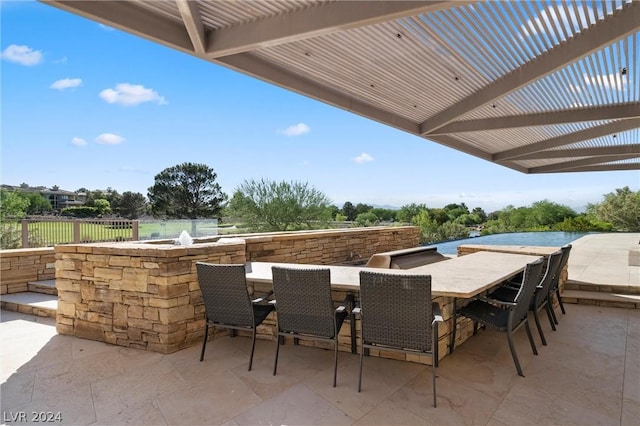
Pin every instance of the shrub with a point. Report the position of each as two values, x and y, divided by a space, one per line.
79 212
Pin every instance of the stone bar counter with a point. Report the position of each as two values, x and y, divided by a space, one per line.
138 295
146 294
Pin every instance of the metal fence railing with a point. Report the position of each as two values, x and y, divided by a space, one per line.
48 231
44 232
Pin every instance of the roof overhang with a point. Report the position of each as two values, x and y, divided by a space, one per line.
538 87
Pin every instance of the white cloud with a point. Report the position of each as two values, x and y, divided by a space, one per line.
66 83
106 27
109 139
23 55
551 17
297 130
610 82
78 141
131 94
363 158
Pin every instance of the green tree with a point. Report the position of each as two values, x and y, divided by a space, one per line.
363 208
545 213
349 210
388 215
409 211
37 203
132 205
621 208
102 206
432 232
366 219
279 206
186 191
454 211
12 207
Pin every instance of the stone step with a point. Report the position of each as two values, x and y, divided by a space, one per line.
43 286
599 298
28 302
603 288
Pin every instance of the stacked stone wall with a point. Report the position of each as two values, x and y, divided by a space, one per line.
21 266
329 247
135 295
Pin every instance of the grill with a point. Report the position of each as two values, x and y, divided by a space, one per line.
406 258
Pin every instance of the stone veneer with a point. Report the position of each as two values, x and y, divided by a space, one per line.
20 266
146 295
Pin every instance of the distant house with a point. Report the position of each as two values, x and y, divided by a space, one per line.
58 198
61 199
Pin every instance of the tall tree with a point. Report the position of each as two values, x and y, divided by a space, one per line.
132 205
621 208
12 205
37 203
278 206
186 191
349 210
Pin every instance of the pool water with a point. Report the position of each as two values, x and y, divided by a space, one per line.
515 238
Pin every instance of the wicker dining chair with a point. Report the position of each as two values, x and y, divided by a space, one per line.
555 287
508 317
541 298
398 315
227 302
305 310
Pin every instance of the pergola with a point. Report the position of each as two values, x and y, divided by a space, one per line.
537 86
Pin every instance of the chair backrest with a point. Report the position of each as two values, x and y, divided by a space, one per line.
553 263
530 280
224 290
396 310
303 301
566 251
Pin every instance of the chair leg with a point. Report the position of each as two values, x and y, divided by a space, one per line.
204 343
275 363
560 301
433 379
360 375
549 309
335 363
530 336
253 348
553 313
434 359
539 327
513 353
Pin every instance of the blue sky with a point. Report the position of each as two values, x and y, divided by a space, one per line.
83 105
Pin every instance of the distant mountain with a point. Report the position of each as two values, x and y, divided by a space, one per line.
385 206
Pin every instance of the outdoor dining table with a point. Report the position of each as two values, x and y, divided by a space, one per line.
458 277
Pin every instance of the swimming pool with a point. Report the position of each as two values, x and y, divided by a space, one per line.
514 238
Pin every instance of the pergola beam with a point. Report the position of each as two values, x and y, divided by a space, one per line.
129 17
314 22
604 168
584 152
581 163
193 24
605 112
256 67
568 139
619 24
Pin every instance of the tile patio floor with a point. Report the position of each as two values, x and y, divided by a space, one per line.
588 374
